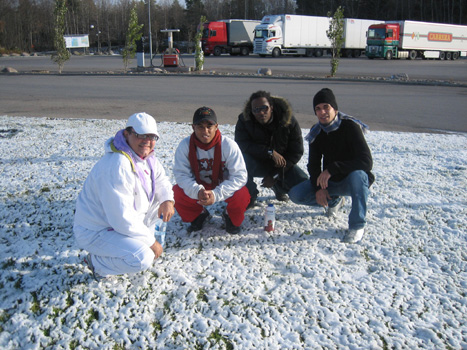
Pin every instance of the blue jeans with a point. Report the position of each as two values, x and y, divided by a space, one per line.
354 185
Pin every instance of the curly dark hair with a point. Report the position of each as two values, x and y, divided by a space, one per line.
259 94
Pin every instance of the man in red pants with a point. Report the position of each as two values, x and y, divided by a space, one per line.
209 168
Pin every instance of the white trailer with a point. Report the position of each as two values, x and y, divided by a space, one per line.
292 35
431 39
306 36
240 31
355 32
412 39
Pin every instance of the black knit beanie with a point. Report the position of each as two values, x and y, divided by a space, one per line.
325 96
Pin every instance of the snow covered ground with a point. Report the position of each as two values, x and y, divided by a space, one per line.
403 287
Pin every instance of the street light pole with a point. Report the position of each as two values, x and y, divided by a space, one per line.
150 36
98 32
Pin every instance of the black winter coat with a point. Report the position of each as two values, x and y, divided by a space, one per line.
340 152
283 134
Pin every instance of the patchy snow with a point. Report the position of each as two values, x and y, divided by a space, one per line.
404 286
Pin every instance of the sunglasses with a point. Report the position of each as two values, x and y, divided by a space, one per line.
260 109
146 136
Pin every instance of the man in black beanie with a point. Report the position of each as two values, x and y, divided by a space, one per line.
339 164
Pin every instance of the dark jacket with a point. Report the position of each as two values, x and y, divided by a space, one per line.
342 151
283 134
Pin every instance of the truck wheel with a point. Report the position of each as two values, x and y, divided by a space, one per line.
276 52
455 55
442 55
217 51
412 54
348 53
244 51
357 53
448 55
309 53
318 53
388 55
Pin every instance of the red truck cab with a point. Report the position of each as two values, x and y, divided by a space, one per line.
214 38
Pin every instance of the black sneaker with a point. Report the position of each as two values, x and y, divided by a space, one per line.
280 196
197 224
229 226
252 203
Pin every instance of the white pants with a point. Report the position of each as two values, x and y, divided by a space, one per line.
114 253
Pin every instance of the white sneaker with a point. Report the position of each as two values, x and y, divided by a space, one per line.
332 212
353 236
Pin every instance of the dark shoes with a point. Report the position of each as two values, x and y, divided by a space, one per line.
252 203
229 226
197 224
282 197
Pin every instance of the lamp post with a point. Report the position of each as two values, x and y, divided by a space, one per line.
98 39
149 28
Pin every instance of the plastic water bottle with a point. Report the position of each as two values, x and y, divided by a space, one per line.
161 227
270 218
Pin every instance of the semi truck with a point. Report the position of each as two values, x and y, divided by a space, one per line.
306 36
233 36
291 35
412 39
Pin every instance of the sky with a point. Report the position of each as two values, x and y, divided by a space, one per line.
402 287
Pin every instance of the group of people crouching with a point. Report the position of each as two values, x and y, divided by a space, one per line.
128 189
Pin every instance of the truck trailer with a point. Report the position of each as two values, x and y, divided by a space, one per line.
355 33
292 35
233 36
412 39
306 36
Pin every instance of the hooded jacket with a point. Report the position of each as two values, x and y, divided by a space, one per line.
113 196
283 134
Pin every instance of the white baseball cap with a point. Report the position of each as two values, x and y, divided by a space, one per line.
143 123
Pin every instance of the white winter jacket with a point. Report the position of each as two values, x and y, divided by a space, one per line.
233 166
113 197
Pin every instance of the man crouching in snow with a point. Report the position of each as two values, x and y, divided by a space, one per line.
123 195
339 163
209 168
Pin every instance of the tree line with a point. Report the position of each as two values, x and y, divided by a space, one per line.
27 25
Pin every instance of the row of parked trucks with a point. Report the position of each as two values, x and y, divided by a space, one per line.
296 35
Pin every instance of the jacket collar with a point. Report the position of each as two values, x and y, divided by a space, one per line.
282 112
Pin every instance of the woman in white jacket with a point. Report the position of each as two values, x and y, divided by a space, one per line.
123 195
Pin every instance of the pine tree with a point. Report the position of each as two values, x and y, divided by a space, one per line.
335 33
62 54
132 36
